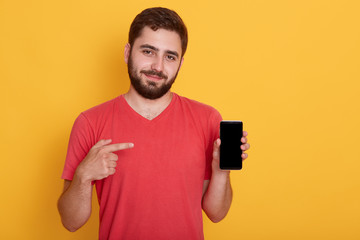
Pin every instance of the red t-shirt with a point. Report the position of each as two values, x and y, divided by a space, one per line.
156 191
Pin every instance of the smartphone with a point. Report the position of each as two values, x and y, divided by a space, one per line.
230 153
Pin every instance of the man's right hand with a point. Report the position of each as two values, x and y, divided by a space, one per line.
100 162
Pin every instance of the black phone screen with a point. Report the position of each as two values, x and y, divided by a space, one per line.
230 152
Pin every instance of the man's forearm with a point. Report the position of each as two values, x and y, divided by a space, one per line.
217 199
75 204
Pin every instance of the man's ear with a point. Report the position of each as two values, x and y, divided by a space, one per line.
127 52
181 63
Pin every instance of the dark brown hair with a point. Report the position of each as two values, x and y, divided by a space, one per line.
159 18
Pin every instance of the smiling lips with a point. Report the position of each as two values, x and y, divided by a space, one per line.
154 74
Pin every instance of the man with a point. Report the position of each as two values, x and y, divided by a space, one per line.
153 155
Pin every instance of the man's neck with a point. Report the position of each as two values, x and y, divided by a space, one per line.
147 108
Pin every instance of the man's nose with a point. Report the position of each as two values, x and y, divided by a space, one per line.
158 64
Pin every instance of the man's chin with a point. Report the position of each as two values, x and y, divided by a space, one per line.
150 89
152 84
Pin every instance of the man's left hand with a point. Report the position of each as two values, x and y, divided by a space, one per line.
216 152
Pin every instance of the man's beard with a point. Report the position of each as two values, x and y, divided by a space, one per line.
149 89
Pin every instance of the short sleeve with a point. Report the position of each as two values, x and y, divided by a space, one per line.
80 142
213 134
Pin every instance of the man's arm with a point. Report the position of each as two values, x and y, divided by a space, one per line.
74 204
217 192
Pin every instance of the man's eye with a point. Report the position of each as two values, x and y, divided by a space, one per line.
147 52
171 58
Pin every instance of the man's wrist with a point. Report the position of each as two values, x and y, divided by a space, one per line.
81 177
220 174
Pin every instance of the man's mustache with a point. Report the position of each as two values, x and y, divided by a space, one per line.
153 72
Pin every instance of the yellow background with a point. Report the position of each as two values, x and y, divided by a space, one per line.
288 69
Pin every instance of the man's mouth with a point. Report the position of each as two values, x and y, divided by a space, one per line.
154 75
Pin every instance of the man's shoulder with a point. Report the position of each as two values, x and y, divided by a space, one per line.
203 116
102 108
196 105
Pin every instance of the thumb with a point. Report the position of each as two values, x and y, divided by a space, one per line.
102 143
216 149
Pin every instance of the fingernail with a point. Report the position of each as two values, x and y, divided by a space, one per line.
131 145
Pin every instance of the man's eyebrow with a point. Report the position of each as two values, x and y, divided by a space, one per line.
156 49
173 53
149 46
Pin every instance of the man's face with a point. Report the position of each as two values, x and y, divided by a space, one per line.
154 61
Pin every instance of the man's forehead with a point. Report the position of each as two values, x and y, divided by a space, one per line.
161 39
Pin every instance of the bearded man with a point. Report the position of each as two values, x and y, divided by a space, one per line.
153 155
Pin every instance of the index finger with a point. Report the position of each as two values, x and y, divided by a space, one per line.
117 146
